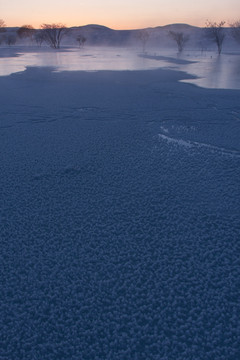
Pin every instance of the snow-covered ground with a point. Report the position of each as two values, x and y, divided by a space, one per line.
119 213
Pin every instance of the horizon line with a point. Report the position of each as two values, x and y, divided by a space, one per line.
117 29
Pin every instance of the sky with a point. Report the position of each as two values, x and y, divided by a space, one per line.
118 14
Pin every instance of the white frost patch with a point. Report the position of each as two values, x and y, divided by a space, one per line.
189 144
176 141
217 148
164 129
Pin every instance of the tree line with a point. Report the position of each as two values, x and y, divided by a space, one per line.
215 32
52 34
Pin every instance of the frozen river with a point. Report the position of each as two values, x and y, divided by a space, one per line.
210 70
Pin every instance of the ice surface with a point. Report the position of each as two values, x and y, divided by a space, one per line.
211 70
216 71
87 59
119 217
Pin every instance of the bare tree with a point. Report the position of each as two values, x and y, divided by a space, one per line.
2 39
10 39
216 32
39 37
202 45
236 30
81 40
2 26
26 31
180 38
143 36
53 34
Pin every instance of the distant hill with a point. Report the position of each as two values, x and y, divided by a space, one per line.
158 37
178 26
102 35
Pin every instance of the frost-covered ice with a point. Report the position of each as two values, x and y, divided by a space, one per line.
190 144
118 240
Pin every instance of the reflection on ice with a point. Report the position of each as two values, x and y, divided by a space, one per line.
211 70
91 59
214 71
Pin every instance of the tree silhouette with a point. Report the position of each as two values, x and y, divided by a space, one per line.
143 36
216 32
39 37
53 34
2 26
236 30
180 38
26 31
81 40
10 39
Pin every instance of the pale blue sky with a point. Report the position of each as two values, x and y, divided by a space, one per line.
117 14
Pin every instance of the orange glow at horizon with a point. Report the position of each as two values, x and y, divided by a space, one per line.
116 25
119 14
